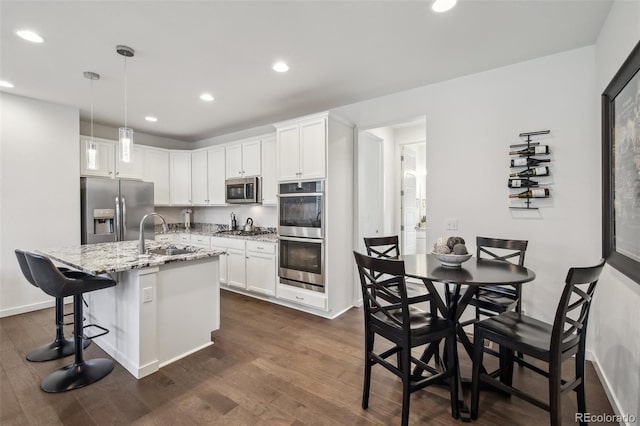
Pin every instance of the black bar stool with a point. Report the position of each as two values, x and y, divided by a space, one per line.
54 283
61 347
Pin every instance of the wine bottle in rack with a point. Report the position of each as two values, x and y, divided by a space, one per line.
535 171
531 150
522 183
532 193
528 161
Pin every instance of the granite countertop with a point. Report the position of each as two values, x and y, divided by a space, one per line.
268 237
121 256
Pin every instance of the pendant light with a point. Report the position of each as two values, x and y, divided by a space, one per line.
125 134
91 148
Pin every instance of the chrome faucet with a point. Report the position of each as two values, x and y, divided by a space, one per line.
141 236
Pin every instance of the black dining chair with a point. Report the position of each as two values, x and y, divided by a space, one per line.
551 343
389 314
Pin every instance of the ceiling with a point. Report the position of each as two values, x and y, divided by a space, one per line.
339 52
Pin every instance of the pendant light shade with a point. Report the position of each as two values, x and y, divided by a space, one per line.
91 148
125 134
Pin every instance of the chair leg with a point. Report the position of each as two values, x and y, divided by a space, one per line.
406 383
580 394
81 372
506 366
555 382
369 338
478 352
61 346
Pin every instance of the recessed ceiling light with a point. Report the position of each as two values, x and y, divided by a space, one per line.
151 119
443 5
30 36
280 67
6 84
207 97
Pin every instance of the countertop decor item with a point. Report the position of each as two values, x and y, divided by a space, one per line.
452 260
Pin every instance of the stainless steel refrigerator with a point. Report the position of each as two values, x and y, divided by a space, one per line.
112 209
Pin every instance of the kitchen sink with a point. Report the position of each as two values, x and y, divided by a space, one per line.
171 251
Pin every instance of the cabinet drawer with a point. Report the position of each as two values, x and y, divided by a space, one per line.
231 243
183 238
201 240
261 247
164 238
302 296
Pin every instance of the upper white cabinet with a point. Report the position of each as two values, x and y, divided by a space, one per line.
199 180
269 172
301 148
156 170
216 176
134 168
243 159
107 160
104 163
180 177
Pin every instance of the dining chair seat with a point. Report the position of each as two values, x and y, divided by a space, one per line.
419 322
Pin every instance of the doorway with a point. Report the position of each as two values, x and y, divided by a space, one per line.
391 184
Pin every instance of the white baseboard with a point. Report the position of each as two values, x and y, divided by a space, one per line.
31 307
606 385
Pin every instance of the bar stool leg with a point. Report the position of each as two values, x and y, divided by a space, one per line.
61 347
81 372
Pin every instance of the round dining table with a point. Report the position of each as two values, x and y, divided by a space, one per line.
461 284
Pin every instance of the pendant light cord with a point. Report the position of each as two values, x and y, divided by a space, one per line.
125 92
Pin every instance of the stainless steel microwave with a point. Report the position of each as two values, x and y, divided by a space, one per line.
243 190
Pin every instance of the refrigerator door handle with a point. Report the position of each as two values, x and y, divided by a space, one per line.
118 218
124 218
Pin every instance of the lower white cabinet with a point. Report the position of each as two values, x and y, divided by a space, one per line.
236 268
261 267
302 296
164 238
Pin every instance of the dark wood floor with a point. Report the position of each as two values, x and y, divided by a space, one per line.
269 365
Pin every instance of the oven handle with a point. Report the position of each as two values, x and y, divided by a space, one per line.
302 194
302 240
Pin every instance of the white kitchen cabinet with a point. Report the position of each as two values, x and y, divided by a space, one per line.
156 170
105 158
183 238
261 267
134 168
216 176
180 177
269 172
199 178
236 268
301 149
164 238
243 160
302 296
203 241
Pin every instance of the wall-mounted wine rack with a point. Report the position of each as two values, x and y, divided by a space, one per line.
526 168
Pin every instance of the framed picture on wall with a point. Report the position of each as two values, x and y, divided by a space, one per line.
621 168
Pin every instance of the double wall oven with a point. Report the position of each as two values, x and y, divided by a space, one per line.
301 234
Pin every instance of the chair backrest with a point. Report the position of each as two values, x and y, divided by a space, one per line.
46 275
384 247
24 266
509 249
383 288
570 330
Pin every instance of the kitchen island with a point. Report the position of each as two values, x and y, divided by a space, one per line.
163 308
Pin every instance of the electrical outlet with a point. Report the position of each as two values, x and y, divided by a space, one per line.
147 294
452 224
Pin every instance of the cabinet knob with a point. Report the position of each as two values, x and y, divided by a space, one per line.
117 173
110 172
299 297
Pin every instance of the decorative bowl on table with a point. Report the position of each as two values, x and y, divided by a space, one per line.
452 260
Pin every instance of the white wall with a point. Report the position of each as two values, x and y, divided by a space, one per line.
614 331
470 123
108 132
39 188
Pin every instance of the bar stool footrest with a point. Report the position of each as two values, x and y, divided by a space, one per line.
104 331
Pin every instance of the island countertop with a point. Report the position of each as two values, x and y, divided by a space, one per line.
121 256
